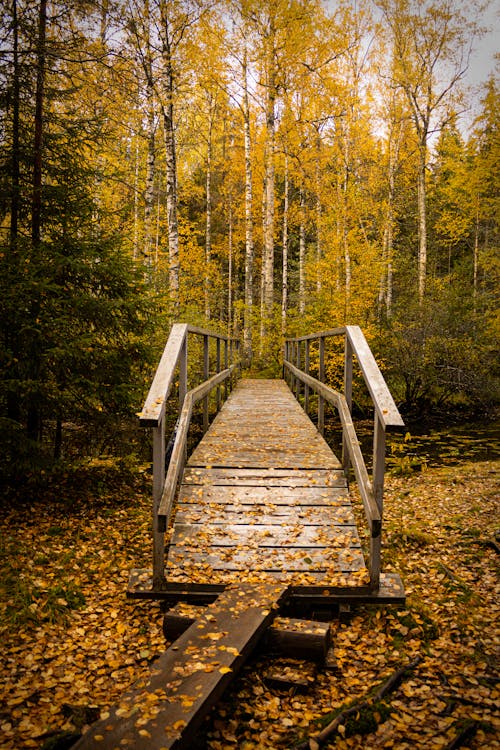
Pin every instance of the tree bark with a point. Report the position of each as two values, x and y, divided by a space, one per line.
422 220
302 251
33 421
249 251
150 173
171 163
284 282
208 230
268 259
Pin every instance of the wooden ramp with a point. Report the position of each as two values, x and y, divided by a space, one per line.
263 496
166 709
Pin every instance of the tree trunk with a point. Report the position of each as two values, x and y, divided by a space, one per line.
33 420
422 220
284 282
318 214
14 201
150 178
268 259
135 249
302 251
385 294
171 164
475 259
230 269
13 409
247 322
208 232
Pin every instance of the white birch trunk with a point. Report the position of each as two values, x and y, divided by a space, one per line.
422 221
208 234
268 260
171 164
284 282
302 252
249 250
150 180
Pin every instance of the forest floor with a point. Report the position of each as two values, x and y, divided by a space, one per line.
71 643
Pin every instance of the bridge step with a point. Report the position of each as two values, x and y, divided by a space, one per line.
166 709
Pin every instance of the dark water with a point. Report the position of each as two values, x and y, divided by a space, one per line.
444 447
413 451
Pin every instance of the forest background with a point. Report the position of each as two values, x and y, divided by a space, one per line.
257 168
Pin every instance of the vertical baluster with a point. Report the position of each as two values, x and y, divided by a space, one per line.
348 395
378 491
183 373
159 580
226 365
321 377
218 370
206 375
306 368
297 364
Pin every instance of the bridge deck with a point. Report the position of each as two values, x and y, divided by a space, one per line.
263 496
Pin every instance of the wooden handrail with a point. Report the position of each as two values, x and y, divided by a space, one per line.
381 396
337 399
154 406
178 457
175 359
386 415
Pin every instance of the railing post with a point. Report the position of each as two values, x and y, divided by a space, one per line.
321 377
348 394
183 373
297 364
378 493
378 461
226 365
218 370
306 370
375 561
159 580
206 374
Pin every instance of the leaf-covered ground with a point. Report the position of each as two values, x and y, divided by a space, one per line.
72 643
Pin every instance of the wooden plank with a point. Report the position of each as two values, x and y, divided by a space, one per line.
271 496
262 477
262 514
165 709
303 639
288 560
246 536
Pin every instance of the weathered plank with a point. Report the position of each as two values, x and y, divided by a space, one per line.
259 535
255 495
263 477
165 709
199 563
268 515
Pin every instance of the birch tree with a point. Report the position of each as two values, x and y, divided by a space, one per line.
431 44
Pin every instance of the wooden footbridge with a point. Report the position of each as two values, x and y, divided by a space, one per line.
255 523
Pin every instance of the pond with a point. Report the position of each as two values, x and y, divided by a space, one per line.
443 447
414 451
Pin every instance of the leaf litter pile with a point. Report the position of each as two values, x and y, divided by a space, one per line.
72 644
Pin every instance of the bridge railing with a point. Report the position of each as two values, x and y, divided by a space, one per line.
169 457
297 362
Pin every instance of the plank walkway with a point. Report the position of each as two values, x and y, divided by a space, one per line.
263 515
263 496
